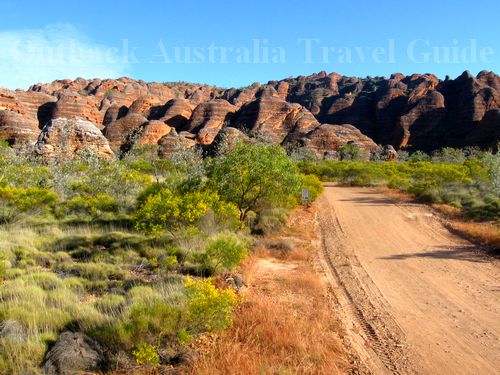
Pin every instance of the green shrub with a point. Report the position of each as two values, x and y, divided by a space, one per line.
98 271
349 151
22 356
91 205
224 252
270 220
146 354
209 308
163 209
313 184
148 323
14 201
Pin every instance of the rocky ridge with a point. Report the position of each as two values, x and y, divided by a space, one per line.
320 112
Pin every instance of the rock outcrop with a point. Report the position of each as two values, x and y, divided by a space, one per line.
152 132
23 114
71 104
209 118
68 137
177 112
268 116
326 140
118 132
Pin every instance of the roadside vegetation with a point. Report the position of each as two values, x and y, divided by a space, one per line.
464 185
133 253
285 324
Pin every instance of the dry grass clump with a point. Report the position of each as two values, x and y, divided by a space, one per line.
487 234
286 328
482 232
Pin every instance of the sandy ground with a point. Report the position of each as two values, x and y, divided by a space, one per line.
414 297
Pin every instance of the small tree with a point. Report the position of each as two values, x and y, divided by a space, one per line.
252 174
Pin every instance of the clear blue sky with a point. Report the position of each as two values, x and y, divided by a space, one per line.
42 41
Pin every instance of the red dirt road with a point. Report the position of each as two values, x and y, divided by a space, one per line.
414 297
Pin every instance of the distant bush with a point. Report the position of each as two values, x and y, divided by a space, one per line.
14 201
467 181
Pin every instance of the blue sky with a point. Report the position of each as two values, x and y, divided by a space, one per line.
225 42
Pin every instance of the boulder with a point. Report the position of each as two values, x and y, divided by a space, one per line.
389 153
67 137
73 353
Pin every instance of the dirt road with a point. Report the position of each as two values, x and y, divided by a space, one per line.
415 298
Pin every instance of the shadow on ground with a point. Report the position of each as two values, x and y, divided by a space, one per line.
463 253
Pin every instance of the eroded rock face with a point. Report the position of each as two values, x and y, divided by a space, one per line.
70 105
209 118
17 129
326 140
118 131
23 114
152 132
268 116
144 105
69 137
424 114
177 113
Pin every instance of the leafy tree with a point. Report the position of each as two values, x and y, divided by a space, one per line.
251 175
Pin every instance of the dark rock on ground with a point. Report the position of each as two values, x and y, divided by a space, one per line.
74 352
